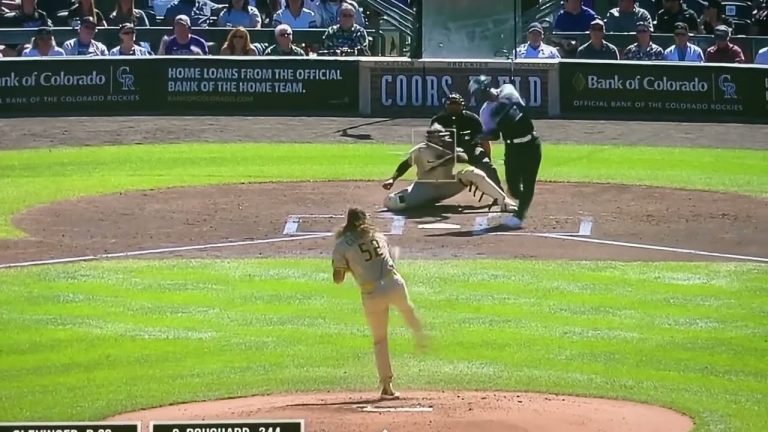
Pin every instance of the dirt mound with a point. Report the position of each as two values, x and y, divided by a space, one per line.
443 411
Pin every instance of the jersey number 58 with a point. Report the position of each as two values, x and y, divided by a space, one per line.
370 252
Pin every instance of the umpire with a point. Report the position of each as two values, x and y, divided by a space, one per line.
468 129
503 116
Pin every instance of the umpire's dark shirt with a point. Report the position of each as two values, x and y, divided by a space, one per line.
467 125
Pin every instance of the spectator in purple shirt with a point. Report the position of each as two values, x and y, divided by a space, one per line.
183 42
574 17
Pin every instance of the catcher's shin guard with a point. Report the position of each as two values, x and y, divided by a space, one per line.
474 177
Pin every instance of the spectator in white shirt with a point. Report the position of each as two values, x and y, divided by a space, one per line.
295 15
239 14
762 56
43 45
83 44
128 45
535 48
682 51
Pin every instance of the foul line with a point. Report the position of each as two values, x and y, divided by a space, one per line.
647 246
162 250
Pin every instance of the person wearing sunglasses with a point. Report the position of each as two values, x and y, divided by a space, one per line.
346 36
683 51
329 12
43 45
128 45
284 45
597 48
238 44
643 49
84 44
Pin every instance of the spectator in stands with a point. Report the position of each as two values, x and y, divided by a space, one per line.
296 16
682 51
239 14
760 19
643 49
268 9
284 45
574 17
27 16
535 48
43 45
597 48
126 12
183 42
128 45
82 10
346 36
675 12
83 44
238 44
624 18
329 12
712 17
762 56
723 51
199 12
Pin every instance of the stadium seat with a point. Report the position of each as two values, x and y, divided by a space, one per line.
738 10
697 6
151 17
741 27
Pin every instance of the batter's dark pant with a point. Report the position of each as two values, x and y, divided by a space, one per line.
479 159
521 166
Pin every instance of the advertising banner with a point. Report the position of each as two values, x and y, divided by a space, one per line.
673 90
178 85
417 88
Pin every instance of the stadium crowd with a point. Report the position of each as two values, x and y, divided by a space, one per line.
720 19
343 20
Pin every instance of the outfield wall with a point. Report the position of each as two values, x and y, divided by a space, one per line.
379 87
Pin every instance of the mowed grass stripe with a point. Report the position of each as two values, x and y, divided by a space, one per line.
37 176
107 337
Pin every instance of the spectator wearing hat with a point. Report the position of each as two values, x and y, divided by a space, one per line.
712 17
574 17
27 16
624 18
762 56
183 42
43 45
535 48
643 49
597 48
83 44
675 11
126 12
128 45
682 51
723 51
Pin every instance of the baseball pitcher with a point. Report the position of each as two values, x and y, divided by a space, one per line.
363 251
435 160
503 116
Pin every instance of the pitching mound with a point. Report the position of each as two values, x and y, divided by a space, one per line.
433 411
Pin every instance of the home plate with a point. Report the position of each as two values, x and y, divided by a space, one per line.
439 225
369 408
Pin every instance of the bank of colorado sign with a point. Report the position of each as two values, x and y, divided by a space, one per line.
410 88
644 90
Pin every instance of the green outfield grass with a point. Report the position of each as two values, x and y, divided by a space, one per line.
33 177
90 340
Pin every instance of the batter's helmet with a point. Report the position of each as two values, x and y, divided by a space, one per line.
481 83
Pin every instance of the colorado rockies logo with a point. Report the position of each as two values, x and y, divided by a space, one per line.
125 77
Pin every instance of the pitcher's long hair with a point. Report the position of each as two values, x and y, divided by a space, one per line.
357 223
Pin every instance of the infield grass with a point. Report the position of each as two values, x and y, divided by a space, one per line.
89 340
38 176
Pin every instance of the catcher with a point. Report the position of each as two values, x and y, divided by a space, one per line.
469 131
363 251
435 159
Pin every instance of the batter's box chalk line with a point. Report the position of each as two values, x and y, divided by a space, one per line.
483 223
293 224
